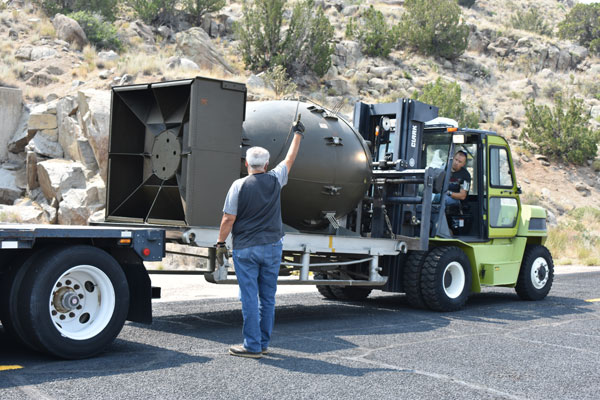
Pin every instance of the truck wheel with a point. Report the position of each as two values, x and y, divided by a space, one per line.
412 278
9 294
74 301
350 292
325 290
446 279
536 274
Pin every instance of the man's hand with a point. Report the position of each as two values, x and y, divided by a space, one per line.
298 126
222 254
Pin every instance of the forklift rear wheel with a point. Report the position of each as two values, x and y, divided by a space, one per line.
350 292
446 279
325 290
75 301
412 278
536 274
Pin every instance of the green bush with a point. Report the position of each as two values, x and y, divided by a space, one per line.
305 46
466 3
106 8
447 97
100 33
197 8
376 37
532 21
582 24
277 78
434 27
150 11
559 132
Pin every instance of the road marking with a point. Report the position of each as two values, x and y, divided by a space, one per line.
9 367
592 300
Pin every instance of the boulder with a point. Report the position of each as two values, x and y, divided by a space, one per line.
40 79
94 114
256 82
9 189
142 30
339 86
42 117
165 32
58 176
69 30
31 170
347 54
41 52
182 62
23 53
22 134
501 47
11 115
108 56
197 46
377 84
45 146
381 72
53 70
23 214
76 207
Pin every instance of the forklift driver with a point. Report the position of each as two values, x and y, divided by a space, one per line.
460 180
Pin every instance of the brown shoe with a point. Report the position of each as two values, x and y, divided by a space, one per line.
265 351
241 351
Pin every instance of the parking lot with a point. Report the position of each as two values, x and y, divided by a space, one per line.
497 347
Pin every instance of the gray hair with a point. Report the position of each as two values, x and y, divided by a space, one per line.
257 157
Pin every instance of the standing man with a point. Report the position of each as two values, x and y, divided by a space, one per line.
252 214
460 180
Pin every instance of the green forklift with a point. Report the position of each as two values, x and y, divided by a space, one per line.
488 238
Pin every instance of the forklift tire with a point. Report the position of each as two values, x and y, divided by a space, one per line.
536 274
446 279
350 292
74 301
412 278
325 290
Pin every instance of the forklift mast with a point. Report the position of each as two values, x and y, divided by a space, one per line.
395 133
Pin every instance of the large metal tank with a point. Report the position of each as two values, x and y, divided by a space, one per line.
332 171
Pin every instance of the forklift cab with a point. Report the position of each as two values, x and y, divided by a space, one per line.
492 206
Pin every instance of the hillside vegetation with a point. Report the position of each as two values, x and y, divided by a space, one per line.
526 69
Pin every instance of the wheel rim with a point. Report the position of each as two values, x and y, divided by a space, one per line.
539 273
82 302
453 279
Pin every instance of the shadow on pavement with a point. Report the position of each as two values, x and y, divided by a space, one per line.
122 357
325 324
316 367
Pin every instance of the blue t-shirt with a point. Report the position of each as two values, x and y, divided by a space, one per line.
255 201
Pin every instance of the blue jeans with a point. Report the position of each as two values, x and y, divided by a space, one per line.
449 200
257 269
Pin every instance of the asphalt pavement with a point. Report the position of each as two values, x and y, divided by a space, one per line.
497 347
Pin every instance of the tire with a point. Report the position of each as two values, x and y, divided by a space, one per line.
9 298
350 292
412 278
325 290
342 292
74 301
536 274
446 279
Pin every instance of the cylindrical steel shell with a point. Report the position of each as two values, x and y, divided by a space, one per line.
332 171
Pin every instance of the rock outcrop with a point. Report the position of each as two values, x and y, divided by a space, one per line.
69 30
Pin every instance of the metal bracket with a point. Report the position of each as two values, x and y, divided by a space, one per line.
331 190
334 141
